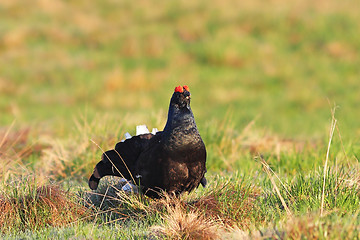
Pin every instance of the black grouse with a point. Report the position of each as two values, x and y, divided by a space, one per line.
172 160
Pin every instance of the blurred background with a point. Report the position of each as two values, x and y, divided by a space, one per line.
282 64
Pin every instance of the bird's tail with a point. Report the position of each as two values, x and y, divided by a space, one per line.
111 164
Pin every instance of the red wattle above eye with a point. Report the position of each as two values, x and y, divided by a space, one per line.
179 89
186 88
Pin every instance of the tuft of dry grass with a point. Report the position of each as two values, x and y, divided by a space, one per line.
210 216
179 223
231 203
34 207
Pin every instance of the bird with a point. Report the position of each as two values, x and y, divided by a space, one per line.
172 160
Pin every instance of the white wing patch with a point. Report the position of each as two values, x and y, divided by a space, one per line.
154 131
141 129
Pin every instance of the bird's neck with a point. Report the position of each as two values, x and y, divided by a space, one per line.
179 118
180 130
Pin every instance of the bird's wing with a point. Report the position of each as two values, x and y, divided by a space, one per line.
121 160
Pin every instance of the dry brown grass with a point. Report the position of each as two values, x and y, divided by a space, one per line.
303 227
45 206
232 205
180 223
15 148
311 226
54 157
212 216
76 156
26 202
16 144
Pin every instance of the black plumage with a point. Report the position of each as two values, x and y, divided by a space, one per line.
172 160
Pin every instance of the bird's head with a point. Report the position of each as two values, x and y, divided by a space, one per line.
181 97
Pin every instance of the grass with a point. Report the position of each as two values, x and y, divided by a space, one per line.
75 76
256 54
25 205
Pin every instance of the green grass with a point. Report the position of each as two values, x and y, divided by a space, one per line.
264 76
281 65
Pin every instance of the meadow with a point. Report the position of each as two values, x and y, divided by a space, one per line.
275 92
